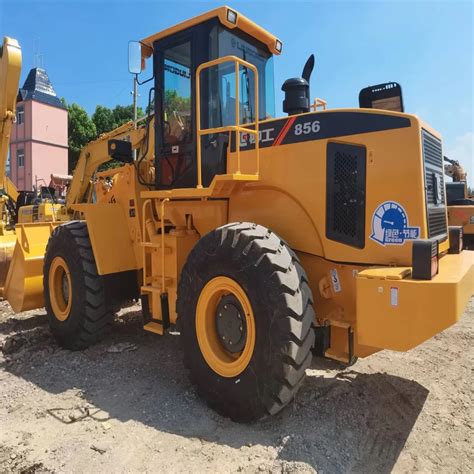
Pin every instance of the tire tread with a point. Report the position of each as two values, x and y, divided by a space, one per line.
93 318
256 248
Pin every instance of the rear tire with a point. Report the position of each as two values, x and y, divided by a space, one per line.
276 287
74 293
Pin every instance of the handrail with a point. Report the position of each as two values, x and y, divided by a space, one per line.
318 102
162 217
231 128
146 203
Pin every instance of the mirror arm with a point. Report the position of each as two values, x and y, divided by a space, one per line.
143 82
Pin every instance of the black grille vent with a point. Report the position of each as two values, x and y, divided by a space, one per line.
436 222
432 150
345 194
434 186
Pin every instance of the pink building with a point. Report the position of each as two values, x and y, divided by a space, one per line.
38 143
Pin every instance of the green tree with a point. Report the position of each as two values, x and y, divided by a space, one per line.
81 130
124 113
175 102
104 119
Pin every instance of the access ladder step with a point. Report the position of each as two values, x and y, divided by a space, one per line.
151 245
157 286
154 327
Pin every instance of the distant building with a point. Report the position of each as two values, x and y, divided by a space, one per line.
38 143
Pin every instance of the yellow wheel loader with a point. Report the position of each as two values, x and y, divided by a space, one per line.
265 240
460 204
16 206
10 68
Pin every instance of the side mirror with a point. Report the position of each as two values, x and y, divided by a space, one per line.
134 57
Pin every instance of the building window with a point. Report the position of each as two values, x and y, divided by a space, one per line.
20 112
20 158
8 166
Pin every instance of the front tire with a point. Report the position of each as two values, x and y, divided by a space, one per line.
74 293
246 314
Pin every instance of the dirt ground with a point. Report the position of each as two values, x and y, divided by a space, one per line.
126 405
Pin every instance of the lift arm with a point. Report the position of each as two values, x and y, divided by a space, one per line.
10 69
95 154
455 170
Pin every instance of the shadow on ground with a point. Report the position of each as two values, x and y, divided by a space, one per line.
347 421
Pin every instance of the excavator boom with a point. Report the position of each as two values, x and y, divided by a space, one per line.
10 69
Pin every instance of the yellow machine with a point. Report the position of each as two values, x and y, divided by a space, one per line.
265 239
10 68
460 204
14 205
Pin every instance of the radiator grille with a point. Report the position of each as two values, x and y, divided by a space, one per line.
436 222
345 194
434 186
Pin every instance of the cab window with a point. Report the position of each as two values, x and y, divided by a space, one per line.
231 44
218 103
177 95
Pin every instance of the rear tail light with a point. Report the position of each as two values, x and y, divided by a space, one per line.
455 239
425 260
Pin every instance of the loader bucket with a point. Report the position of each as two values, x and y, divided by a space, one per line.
7 244
24 283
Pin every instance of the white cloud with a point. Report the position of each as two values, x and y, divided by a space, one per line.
462 150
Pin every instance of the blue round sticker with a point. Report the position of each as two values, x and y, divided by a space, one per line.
390 225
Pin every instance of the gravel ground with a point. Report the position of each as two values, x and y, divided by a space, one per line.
126 405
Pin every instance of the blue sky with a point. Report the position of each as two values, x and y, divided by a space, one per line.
426 46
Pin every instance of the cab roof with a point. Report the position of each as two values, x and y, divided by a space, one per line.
222 13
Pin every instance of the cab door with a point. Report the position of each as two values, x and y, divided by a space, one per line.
174 107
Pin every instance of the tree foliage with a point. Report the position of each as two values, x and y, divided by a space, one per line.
106 119
103 119
81 130
175 102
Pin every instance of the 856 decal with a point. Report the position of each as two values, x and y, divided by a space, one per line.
306 128
318 126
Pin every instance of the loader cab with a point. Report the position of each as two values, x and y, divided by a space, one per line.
177 53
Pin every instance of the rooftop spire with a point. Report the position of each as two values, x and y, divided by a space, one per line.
38 87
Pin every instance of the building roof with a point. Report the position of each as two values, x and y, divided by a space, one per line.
38 87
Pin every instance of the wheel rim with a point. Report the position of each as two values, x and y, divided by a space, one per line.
60 288
219 354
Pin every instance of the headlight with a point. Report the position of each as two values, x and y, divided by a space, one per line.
232 17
